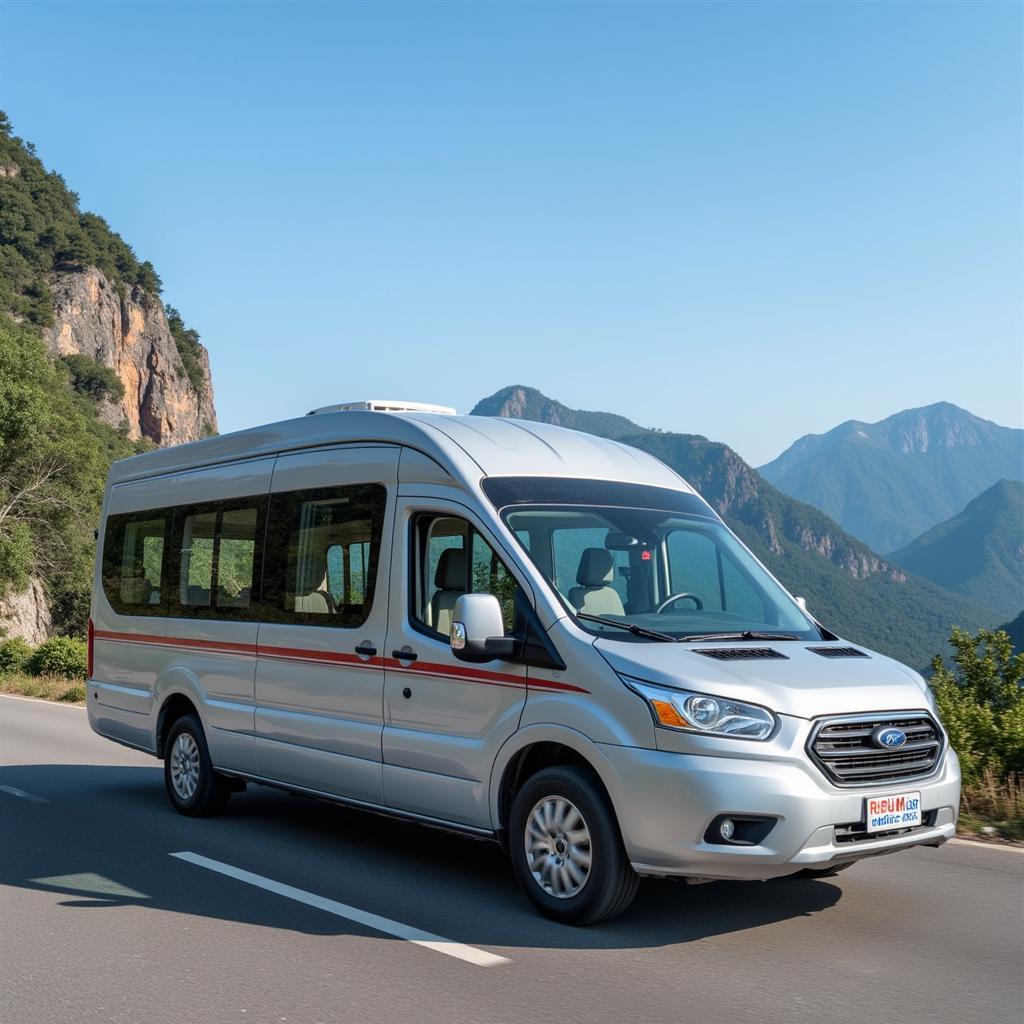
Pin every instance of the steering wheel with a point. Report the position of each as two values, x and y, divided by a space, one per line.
672 598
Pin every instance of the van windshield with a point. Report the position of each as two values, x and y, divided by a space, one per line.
674 573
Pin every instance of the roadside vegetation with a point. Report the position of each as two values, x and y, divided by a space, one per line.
981 703
55 670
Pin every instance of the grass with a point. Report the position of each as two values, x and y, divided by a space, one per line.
56 688
994 807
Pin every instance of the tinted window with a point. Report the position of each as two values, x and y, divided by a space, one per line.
323 547
454 559
217 565
133 562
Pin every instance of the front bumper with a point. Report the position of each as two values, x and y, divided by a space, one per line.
666 800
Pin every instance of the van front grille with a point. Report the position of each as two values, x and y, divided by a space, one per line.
845 751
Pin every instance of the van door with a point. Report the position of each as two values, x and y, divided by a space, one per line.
445 719
212 603
319 676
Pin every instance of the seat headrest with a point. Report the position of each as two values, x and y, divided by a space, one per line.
312 570
451 570
595 568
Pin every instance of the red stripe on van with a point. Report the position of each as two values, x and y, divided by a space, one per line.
325 657
457 672
478 675
195 644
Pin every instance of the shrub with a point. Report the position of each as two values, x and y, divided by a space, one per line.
14 653
93 379
981 702
60 656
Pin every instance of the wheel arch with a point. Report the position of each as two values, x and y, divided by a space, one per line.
174 705
541 746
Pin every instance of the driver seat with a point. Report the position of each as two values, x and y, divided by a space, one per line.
594 596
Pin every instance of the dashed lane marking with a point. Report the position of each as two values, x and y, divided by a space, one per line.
438 943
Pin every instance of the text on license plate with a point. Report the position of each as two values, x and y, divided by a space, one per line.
901 810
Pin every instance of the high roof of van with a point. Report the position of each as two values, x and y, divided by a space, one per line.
468 447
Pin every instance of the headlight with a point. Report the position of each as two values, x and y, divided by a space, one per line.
700 712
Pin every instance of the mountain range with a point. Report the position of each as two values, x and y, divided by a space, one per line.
889 482
849 587
979 552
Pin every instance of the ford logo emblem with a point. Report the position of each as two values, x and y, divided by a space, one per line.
889 737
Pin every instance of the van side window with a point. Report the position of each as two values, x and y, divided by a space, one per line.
323 547
454 559
133 562
217 546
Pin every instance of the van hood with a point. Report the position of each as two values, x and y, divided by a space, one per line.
802 684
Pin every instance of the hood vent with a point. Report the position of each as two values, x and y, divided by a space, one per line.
741 653
839 652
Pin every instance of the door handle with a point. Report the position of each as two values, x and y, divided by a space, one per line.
404 655
365 650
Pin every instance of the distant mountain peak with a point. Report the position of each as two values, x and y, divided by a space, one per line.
889 481
520 402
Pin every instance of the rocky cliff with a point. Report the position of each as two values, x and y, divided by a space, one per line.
127 330
71 284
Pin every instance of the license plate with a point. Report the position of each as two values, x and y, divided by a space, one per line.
887 813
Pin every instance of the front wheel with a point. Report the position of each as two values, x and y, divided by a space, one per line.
566 848
192 784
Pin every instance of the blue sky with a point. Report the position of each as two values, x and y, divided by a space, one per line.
749 222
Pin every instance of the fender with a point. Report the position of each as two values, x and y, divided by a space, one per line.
548 732
178 680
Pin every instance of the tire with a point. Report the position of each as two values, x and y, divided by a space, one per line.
193 786
574 869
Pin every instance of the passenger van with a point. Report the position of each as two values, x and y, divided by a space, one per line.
504 628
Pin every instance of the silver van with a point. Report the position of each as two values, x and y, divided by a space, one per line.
505 628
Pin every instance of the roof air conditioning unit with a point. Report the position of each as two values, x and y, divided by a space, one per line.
380 405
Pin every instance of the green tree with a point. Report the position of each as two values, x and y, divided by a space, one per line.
981 701
54 456
187 342
93 379
42 229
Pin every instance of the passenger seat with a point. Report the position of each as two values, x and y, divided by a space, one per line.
593 595
317 600
450 580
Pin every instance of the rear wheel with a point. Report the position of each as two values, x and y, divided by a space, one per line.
566 848
192 784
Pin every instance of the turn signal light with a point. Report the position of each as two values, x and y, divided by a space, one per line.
668 715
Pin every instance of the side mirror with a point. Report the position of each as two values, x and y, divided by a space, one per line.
478 632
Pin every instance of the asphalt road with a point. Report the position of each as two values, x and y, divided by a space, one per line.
99 922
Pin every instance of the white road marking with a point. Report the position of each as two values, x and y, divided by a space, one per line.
42 700
14 791
470 954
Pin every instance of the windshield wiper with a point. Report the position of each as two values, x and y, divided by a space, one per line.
747 634
650 634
